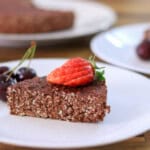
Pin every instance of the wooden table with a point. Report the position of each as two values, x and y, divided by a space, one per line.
129 11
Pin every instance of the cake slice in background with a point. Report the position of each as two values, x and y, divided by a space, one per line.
21 16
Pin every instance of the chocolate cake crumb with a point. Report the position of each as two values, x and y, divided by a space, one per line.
37 98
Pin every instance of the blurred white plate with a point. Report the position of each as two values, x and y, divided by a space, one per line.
91 17
118 47
128 96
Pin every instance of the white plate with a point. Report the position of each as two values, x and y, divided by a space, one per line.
128 95
90 18
118 47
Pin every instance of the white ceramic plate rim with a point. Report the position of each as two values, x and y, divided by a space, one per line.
42 145
130 134
104 57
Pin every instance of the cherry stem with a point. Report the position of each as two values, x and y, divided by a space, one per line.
32 52
29 54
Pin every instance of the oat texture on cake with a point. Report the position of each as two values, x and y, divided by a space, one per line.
37 98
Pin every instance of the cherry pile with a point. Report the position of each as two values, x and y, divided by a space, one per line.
11 76
7 80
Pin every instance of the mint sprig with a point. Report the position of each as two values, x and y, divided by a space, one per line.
29 54
99 71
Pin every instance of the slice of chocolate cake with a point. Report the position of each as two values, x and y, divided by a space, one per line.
38 98
21 16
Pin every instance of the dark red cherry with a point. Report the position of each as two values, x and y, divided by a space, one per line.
3 69
143 50
4 83
25 73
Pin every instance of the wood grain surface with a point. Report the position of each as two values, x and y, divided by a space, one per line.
129 11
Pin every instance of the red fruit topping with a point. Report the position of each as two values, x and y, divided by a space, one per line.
143 50
75 72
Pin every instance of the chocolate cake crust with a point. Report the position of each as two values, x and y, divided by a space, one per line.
37 98
21 16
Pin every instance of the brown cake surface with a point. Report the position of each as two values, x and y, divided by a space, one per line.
37 98
21 16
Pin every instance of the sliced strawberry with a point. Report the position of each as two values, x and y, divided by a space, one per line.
75 72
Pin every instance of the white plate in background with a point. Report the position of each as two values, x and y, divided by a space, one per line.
128 96
118 47
90 18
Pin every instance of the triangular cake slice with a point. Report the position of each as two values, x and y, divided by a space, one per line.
38 98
